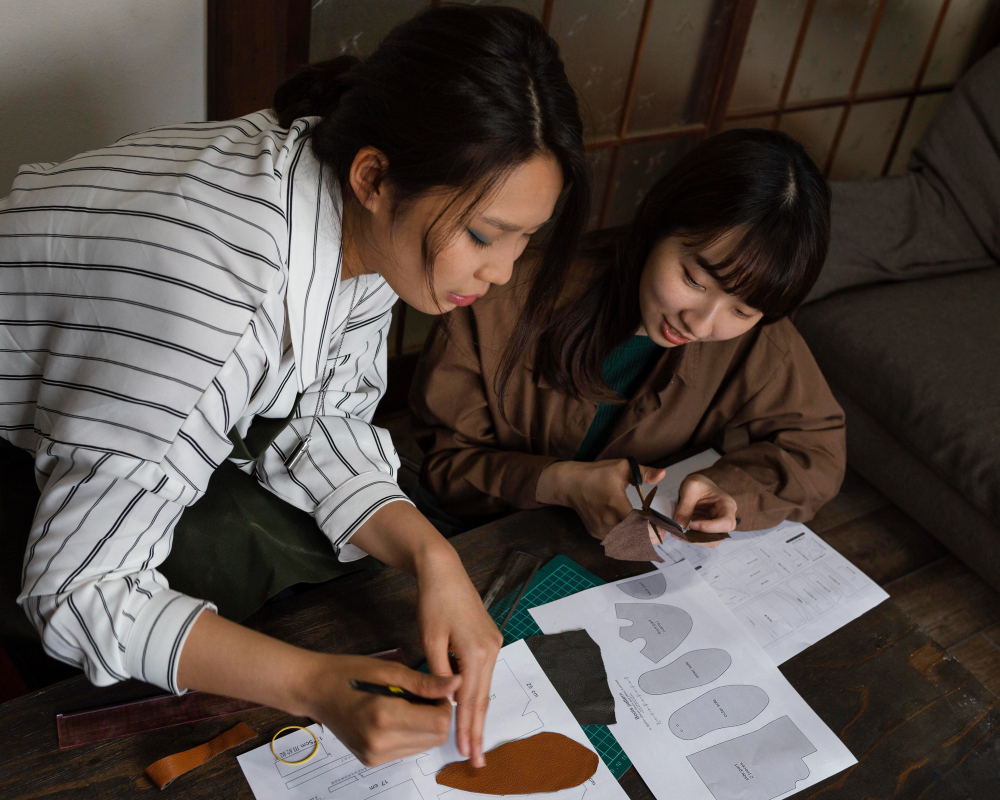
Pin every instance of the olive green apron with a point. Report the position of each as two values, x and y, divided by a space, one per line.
240 544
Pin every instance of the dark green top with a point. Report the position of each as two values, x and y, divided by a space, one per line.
625 368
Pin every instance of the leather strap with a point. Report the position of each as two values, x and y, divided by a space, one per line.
167 769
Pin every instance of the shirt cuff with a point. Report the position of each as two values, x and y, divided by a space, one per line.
342 512
520 478
158 635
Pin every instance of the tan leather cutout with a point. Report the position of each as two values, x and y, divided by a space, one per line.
167 769
545 762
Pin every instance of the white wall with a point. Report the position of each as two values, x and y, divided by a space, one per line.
78 74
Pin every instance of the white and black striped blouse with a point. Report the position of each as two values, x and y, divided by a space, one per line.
154 294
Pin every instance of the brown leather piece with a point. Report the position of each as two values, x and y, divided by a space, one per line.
629 540
165 770
545 762
701 537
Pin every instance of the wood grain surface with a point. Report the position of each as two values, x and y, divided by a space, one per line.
920 725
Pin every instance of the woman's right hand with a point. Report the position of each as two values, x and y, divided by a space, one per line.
594 489
225 658
375 728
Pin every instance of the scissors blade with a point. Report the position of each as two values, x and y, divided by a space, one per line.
664 518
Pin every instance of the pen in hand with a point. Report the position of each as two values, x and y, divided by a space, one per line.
395 691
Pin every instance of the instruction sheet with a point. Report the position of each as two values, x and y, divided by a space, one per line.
703 712
785 584
522 703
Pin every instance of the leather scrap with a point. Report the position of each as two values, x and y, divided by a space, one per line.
167 769
545 762
629 540
572 661
700 537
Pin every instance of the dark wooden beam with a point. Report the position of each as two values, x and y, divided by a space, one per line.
793 62
547 14
855 83
253 45
921 70
728 71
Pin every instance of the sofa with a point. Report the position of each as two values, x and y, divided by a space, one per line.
905 323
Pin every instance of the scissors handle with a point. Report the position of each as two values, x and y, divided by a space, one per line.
636 473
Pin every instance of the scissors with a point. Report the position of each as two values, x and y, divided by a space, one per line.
659 520
651 514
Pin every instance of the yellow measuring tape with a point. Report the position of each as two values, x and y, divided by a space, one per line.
295 728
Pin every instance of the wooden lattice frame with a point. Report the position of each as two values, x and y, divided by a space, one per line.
254 44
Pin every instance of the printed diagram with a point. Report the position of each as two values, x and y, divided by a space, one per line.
648 587
721 707
697 668
662 627
403 791
795 602
780 582
756 766
508 713
523 702
334 763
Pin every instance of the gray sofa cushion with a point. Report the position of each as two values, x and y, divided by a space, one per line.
943 215
922 358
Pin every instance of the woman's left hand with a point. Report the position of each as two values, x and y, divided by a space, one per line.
703 506
452 619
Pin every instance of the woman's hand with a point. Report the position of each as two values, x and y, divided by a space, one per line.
452 619
450 613
224 658
595 490
378 729
703 506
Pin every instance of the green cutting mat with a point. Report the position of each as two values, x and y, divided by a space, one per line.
559 578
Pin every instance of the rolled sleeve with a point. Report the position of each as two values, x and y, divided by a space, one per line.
349 469
343 512
153 650
102 526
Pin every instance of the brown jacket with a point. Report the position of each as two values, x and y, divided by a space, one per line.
765 382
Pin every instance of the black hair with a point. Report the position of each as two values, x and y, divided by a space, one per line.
457 96
760 183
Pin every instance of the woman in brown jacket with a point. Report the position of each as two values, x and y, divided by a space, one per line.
669 336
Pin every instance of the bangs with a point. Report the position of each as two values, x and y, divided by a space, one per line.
770 268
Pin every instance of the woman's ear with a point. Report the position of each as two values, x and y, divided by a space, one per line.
366 176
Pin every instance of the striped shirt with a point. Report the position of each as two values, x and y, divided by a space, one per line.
155 294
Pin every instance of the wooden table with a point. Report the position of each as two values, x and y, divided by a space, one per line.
919 724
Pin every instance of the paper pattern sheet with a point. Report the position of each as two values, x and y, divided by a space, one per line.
785 584
703 712
522 703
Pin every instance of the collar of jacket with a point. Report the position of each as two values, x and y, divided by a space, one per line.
315 218
679 362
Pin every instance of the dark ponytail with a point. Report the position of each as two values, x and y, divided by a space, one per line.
313 91
458 96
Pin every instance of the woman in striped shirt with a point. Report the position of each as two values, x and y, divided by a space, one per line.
221 291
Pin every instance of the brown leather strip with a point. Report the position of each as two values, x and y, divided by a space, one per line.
112 722
545 762
167 769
